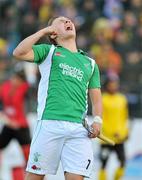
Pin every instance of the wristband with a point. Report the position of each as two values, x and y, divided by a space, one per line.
98 119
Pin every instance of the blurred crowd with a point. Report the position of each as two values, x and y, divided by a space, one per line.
109 30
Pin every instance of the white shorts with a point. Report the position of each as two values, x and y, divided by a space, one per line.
60 140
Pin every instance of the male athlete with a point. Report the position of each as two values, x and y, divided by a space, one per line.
12 95
66 76
115 114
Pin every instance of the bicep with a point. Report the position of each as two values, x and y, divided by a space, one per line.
27 57
95 79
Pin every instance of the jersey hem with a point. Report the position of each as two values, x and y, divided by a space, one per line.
59 119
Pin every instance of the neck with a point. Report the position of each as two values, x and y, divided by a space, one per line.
69 44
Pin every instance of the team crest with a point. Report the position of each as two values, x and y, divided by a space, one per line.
36 156
59 54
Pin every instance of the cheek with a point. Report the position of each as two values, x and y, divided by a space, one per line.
60 29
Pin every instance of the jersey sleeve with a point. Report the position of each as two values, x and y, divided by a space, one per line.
40 52
95 79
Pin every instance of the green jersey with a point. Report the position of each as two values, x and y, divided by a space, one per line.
65 79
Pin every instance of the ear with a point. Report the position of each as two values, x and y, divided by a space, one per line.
53 36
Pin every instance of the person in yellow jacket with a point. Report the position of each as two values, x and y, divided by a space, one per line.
115 126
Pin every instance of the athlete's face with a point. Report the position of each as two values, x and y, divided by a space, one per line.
64 27
113 87
15 80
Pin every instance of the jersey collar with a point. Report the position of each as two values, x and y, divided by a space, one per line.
79 50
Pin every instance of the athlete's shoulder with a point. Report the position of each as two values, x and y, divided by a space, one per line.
90 59
122 96
105 95
40 52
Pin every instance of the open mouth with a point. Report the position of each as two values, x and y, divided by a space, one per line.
69 28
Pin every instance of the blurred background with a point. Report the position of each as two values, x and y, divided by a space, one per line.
110 31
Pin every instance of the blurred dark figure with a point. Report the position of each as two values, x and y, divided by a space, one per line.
89 12
115 126
12 97
28 25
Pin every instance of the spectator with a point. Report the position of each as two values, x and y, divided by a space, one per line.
107 58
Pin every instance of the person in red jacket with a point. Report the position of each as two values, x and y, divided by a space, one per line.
12 97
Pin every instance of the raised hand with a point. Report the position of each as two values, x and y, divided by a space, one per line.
50 30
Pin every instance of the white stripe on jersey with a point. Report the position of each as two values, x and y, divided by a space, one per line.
44 69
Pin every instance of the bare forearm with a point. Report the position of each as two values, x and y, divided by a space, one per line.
26 45
97 108
96 99
24 50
